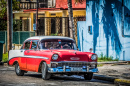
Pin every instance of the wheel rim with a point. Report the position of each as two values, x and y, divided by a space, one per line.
18 69
43 71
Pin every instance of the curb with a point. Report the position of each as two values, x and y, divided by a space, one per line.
117 81
113 62
122 82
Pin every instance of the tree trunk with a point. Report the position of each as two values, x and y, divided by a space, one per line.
9 24
71 21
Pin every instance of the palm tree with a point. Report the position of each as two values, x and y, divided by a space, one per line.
71 21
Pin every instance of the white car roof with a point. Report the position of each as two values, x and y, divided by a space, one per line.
49 37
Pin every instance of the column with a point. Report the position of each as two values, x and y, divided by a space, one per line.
63 21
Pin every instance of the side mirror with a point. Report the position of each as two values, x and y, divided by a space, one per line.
77 48
91 49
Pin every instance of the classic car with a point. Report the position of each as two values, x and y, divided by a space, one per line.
52 55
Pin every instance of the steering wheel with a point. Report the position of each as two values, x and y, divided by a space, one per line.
66 46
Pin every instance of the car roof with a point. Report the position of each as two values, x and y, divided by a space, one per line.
49 37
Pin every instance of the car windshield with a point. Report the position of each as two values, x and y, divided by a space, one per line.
57 44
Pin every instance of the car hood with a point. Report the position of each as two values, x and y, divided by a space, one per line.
71 55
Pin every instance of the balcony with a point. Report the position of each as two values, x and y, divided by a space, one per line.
42 4
27 5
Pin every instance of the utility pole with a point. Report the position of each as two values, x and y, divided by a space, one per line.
37 19
9 24
71 21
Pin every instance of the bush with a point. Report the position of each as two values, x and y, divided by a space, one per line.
5 57
54 34
105 58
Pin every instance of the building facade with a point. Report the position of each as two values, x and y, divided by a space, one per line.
106 29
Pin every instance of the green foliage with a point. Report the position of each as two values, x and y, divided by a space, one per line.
15 5
5 57
56 34
3 25
3 7
17 25
105 58
99 65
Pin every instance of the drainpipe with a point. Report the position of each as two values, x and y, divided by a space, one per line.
122 18
82 41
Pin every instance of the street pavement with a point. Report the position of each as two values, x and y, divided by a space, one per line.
9 78
118 73
115 70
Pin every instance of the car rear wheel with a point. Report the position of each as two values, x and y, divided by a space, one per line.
88 76
45 74
18 71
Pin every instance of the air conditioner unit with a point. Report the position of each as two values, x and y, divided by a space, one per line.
53 3
42 5
49 3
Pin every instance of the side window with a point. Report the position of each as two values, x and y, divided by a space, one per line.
21 47
27 45
34 44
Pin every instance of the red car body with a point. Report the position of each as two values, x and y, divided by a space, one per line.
68 61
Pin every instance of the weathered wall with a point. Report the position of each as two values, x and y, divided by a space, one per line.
104 17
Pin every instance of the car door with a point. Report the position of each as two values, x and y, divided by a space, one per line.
23 59
31 61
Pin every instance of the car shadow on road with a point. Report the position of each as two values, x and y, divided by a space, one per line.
63 78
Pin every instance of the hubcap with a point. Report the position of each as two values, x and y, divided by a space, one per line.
18 69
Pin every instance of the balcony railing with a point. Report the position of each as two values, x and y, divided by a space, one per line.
27 5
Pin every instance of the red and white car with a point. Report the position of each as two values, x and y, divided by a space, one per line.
52 55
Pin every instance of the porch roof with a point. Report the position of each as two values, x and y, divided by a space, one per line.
51 9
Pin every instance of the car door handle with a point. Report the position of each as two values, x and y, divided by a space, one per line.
21 51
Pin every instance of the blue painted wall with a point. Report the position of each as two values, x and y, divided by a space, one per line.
102 30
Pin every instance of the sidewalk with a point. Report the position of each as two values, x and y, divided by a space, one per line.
118 73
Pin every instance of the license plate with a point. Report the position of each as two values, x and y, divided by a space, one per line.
76 69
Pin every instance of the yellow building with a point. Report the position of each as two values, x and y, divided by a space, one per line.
52 16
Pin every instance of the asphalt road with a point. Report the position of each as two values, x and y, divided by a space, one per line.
9 78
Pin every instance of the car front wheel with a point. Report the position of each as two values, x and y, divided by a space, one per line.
88 76
18 71
45 74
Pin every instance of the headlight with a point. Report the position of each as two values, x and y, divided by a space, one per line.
55 57
94 57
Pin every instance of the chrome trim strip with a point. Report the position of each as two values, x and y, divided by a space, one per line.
26 56
74 62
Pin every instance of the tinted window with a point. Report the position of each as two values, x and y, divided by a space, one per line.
27 45
34 44
57 44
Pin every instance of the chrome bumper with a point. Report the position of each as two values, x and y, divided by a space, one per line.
84 67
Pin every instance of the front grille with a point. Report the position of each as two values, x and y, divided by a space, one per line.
73 64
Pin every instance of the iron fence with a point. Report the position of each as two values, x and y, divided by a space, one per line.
57 25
